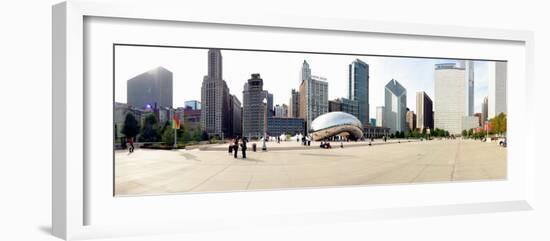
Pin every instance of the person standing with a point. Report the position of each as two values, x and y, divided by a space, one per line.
243 148
230 148
131 145
236 147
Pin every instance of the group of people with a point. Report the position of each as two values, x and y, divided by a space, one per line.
325 145
234 147
306 141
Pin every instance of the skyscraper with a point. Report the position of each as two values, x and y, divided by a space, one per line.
253 107
395 107
152 88
281 111
294 104
344 105
424 111
358 88
193 104
469 66
452 100
215 98
313 96
235 113
380 112
411 120
497 88
484 110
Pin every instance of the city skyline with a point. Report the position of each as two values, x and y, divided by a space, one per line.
415 74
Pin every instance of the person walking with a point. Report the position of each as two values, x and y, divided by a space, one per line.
236 147
230 148
130 141
243 148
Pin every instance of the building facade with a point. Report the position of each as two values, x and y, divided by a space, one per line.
411 120
484 110
380 112
358 88
193 104
424 111
497 88
235 116
395 107
215 98
450 97
344 105
294 104
281 111
150 89
313 96
254 108
281 126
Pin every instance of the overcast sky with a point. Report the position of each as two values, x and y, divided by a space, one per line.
281 72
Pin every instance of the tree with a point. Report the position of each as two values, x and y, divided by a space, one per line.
464 133
471 133
131 126
168 136
150 130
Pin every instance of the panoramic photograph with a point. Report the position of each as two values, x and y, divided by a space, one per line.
192 120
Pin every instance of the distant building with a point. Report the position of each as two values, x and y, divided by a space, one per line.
191 117
479 118
294 104
253 107
380 112
469 122
358 88
485 110
235 113
452 100
396 107
150 89
281 111
424 111
215 98
411 120
313 96
497 88
270 109
121 110
193 104
277 126
344 105
372 122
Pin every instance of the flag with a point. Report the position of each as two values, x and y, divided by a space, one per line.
175 122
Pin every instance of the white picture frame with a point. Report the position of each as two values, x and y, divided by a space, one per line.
71 186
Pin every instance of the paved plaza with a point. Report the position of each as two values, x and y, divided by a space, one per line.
289 165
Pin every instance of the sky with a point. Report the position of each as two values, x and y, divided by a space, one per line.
281 72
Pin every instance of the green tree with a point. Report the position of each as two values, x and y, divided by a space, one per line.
471 133
131 126
150 131
168 136
464 133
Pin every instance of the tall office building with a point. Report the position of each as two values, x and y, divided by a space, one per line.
452 97
313 96
235 113
395 107
253 107
380 112
497 88
215 98
270 110
424 111
411 120
484 110
294 104
358 88
281 111
150 89
469 66
193 104
344 105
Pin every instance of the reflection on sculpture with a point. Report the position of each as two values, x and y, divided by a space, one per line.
336 123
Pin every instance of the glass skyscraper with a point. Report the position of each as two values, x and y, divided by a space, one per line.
358 88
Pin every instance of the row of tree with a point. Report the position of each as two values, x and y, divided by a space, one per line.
152 131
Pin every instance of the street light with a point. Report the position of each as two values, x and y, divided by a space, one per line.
264 147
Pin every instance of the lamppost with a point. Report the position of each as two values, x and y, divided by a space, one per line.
264 147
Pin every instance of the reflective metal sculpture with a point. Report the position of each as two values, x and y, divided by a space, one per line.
336 123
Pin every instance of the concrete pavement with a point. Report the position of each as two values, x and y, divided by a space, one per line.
160 171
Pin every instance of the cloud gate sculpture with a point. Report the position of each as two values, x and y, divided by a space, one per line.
336 123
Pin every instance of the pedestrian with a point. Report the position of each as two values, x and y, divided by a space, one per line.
278 139
243 148
131 145
230 148
236 147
